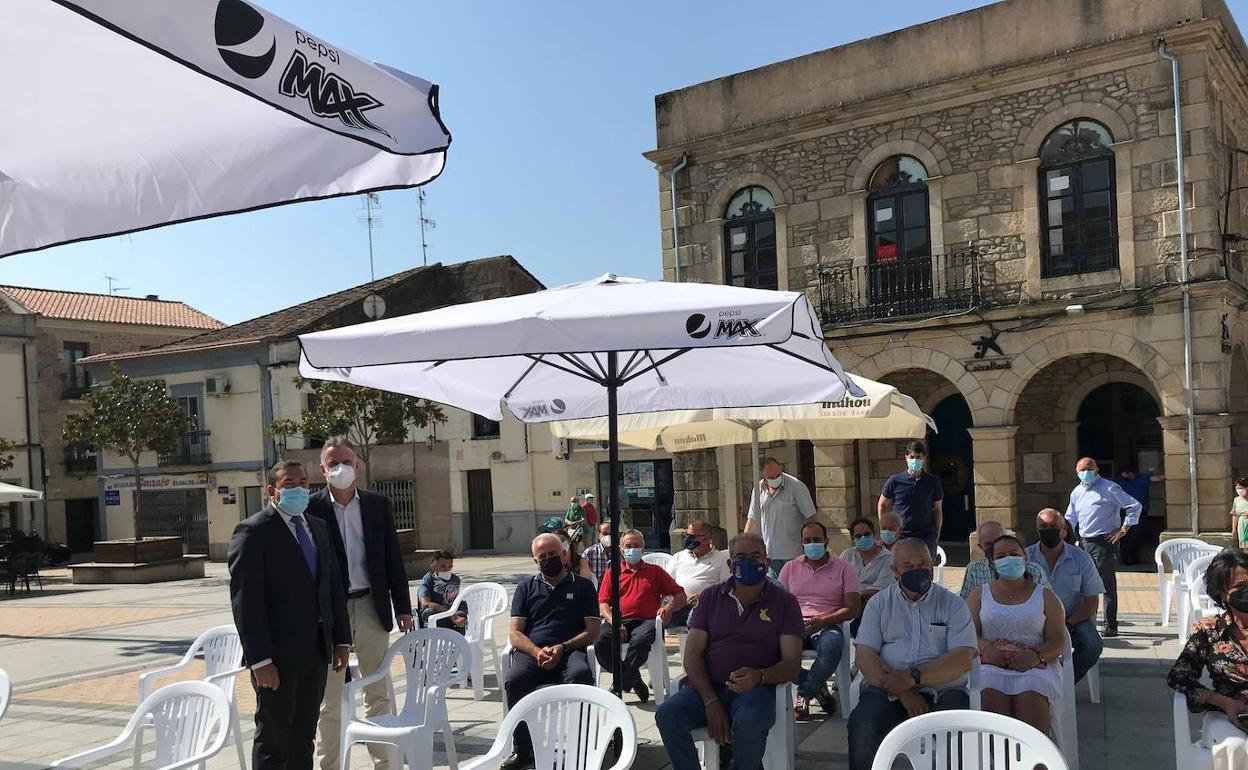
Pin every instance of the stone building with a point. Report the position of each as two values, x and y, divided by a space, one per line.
985 209
44 333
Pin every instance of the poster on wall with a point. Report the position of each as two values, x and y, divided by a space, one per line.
645 475
1037 468
632 475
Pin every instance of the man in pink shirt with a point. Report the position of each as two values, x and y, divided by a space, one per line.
827 590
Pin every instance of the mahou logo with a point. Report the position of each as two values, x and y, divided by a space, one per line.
242 47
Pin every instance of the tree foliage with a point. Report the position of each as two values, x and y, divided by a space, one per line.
129 417
367 417
6 454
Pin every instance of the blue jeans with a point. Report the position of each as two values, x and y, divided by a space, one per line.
1086 647
827 645
752 714
875 715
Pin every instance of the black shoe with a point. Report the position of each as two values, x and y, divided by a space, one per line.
1110 631
518 762
643 692
827 701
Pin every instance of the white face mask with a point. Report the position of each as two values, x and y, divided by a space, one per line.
444 575
341 476
606 541
776 482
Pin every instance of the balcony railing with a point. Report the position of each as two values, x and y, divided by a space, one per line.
192 449
75 384
917 287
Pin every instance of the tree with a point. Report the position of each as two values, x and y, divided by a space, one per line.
129 417
365 416
6 454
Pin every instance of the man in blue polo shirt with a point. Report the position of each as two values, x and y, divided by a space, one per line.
915 496
554 618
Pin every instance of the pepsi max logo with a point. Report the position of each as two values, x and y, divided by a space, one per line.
242 47
729 327
540 409
697 326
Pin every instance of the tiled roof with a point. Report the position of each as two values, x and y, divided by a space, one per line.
109 308
422 288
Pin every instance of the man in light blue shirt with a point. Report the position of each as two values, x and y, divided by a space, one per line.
1073 577
1095 511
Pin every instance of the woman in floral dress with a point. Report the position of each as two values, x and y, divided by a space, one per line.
1219 645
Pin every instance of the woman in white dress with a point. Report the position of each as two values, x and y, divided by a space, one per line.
1021 629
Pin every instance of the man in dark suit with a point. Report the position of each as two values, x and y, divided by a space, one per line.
291 613
361 526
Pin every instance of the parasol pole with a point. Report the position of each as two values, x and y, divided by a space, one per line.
613 506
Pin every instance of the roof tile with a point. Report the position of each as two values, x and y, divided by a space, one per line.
108 308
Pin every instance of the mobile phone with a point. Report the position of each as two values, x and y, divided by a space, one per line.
1243 717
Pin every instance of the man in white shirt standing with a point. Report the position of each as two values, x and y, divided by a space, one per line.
783 504
697 567
361 526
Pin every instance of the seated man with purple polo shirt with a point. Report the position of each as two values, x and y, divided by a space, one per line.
745 637
826 588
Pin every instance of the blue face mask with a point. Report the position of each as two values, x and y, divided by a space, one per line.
888 536
815 551
692 542
1087 477
1011 567
915 464
748 572
293 500
865 542
633 555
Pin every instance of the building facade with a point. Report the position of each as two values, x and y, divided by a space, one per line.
235 382
985 209
44 334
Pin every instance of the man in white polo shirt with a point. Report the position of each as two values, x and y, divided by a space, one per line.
698 567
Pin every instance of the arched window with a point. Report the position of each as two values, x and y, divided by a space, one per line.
900 264
750 240
1077 210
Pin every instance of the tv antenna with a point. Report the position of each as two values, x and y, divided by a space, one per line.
426 224
371 220
112 287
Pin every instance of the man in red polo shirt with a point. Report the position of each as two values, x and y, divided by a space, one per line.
642 588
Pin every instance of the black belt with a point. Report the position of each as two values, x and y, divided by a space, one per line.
360 594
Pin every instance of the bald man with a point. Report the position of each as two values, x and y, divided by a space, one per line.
1096 510
554 618
890 529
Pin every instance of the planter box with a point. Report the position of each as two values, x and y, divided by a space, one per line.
416 563
180 568
138 551
407 540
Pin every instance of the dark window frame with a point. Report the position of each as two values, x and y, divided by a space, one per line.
755 244
1075 158
75 380
483 428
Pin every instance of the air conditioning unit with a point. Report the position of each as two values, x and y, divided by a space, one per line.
217 385
560 446
496 456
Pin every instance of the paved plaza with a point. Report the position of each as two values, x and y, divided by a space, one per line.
75 654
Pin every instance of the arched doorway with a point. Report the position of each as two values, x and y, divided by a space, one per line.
949 457
948 448
1118 428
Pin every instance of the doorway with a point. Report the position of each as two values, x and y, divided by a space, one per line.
950 459
175 513
80 524
480 511
646 498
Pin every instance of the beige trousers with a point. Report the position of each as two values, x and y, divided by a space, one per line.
370 644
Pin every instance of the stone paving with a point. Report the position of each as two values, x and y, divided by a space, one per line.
75 654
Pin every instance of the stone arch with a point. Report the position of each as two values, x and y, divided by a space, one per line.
1115 116
1237 407
752 174
895 358
920 144
1164 382
1074 399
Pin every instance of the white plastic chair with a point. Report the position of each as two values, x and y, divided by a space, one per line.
222 651
353 663
1189 755
1195 603
659 559
6 692
974 685
656 664
1093 678
571 725
781 739
485 601
435 659
505 663
844 672
950 740
191 720
1062 711
941 560
1180 552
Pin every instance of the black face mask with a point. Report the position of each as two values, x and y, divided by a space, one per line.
1239 599
551 565
1050 537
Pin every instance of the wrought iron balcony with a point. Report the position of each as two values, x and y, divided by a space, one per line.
75 384
192 449
79 460
915 287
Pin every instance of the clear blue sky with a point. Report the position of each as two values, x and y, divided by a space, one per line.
551 105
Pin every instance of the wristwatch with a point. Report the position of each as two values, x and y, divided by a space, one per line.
916 675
